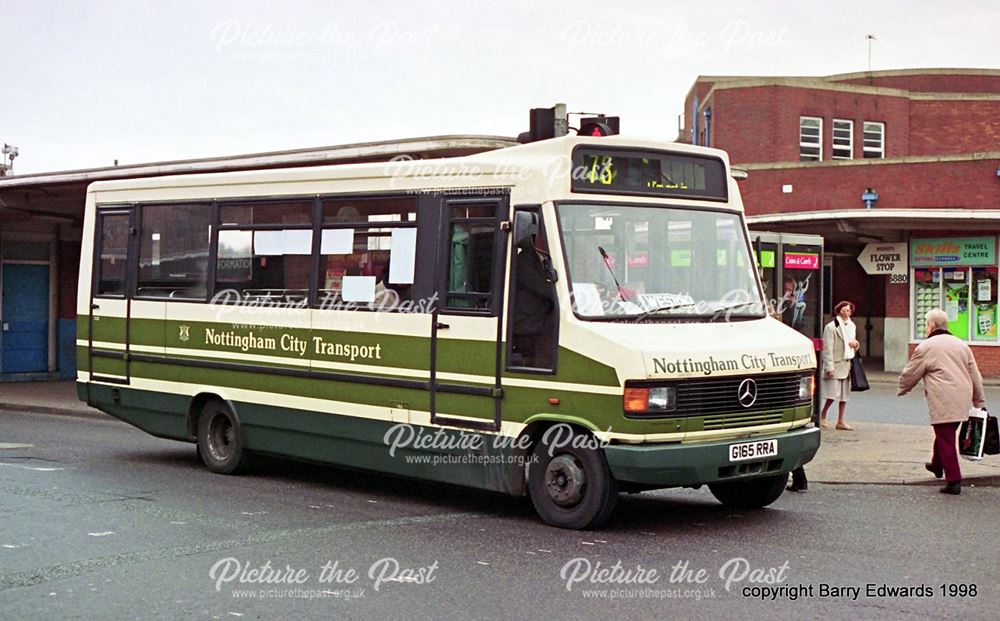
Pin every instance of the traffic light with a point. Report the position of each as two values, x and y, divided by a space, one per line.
598 126
546 123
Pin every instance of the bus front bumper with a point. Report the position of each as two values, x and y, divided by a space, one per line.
674 465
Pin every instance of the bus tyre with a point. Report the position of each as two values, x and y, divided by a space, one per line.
571 486
220 440
752 494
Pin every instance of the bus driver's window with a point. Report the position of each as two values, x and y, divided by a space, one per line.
533 307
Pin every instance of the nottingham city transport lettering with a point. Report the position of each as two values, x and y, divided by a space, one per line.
292 344
753 362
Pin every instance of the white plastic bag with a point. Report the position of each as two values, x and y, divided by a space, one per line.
972 435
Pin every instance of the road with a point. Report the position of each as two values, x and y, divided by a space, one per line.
881 405
102 521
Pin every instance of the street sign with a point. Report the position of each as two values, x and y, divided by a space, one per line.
879 259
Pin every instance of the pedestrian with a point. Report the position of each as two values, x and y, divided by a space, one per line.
840 345
951 384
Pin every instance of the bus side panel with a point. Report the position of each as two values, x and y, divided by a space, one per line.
159 414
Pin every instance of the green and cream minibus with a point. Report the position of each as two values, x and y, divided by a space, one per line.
566 319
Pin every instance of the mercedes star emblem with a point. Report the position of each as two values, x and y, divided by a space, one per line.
747 393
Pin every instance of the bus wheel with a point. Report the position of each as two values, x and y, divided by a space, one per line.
752 494
220 444
571 486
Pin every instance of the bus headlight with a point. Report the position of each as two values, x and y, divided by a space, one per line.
807 386
656 399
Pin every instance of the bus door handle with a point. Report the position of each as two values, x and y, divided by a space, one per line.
441 326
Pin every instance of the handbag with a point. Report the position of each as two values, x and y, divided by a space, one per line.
859 381
971 435
991 443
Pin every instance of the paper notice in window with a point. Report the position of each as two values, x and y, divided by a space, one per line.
951 308
402 256
268 243
983 291
358 289
275 243
587 299
337 241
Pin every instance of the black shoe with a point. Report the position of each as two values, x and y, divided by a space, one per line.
937 471
954 488
798 488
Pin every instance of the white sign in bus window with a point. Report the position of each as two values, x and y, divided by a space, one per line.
402 256
358 289
587 299
275 243
298 242
337 241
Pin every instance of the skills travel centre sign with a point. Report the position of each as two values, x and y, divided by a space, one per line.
929 252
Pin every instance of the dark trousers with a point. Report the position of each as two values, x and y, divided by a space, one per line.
945 452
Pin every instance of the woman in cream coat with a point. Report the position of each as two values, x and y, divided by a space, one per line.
840 345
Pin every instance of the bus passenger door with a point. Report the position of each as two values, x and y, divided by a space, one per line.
466 332
110 297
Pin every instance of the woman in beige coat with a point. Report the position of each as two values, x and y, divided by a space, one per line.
839 346
952 383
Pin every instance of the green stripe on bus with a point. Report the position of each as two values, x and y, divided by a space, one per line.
405 352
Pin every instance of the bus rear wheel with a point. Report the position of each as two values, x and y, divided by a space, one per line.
571 486
752 494
220 439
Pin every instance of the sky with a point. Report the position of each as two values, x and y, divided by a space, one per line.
86 83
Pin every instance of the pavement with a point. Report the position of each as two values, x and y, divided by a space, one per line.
874 453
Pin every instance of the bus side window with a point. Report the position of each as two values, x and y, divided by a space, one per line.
264 250
112 255
471 247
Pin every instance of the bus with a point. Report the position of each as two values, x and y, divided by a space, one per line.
567 320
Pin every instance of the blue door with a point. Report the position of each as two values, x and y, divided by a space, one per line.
25 336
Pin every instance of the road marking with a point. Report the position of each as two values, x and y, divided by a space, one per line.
36 469
103 534
8 446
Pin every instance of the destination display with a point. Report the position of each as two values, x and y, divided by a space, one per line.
656 173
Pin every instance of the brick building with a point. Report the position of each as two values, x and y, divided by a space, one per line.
921 145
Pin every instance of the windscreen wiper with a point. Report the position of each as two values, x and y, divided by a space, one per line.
665 307
607 264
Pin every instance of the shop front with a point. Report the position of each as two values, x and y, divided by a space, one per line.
959 276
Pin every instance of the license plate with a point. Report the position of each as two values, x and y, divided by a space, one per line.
753 450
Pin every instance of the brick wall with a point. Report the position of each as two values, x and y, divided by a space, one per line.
761 124
897 299
950 184
942 127
69 268
933 83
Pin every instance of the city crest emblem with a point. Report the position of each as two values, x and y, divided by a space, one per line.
185 335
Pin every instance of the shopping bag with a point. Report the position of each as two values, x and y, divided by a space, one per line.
859 381
991 444
972 434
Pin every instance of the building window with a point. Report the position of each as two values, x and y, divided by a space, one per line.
874 140
843 139
810 139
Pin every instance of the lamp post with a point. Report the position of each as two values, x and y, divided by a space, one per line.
9 152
